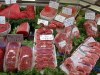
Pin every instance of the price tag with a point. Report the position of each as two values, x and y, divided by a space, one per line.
46 37
90 15
45 22
53 4
62 43
75 29
2 20
94 28
10 1
67 11
69 21
98 23
60 18
14 37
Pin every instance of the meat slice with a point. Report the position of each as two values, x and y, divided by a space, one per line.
63 43
25 58
48 13
1 59
91 28
72 31
24 29
11 56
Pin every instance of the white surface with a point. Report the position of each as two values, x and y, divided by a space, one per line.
54 4
62 43
10 1
60 18
98 23
2 20
67 11
46 37
45 22
90 15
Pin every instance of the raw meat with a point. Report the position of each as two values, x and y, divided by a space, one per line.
5 29
91 28
25 58
63 43
72 31
24 29
48 13
82 60
1 59
11 56
97 17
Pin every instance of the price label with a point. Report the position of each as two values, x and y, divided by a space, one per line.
60 18
14 37
10 1
45 22
67 11
69 21
62 43
46 37
98 23
75 29
94 28
2 20
90 15
53 4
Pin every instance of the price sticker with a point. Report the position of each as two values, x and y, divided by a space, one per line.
53 4
98 23
2 20
46 37
60 18
15 37
45 22
67 11
10 1
62 43
69 21
94 28
90 15
75 29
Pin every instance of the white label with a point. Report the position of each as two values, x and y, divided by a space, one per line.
98 73
60 18
45 22
90 15
10 1
2 20
53 4
46 37
62 43
98 23
69 21
94 28
67 11
75 29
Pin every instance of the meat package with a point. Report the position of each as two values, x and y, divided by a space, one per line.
24 29
11 56
63 43
91 28
44 51
1 58
5 29
25 58
48 13
83 60
11 13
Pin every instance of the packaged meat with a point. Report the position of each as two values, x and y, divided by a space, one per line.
91 28
25 58
82 60
97 17
63 43
1 59
11 56
48 13
5 29
72 31
24 29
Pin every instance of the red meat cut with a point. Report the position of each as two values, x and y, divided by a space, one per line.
24 29
25 58
48 13
91 28
11 56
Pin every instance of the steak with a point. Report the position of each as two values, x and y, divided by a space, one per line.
25 58
24 29
11 56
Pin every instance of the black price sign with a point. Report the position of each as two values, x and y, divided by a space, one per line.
15 37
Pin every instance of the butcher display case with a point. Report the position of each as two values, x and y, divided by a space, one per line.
54 37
